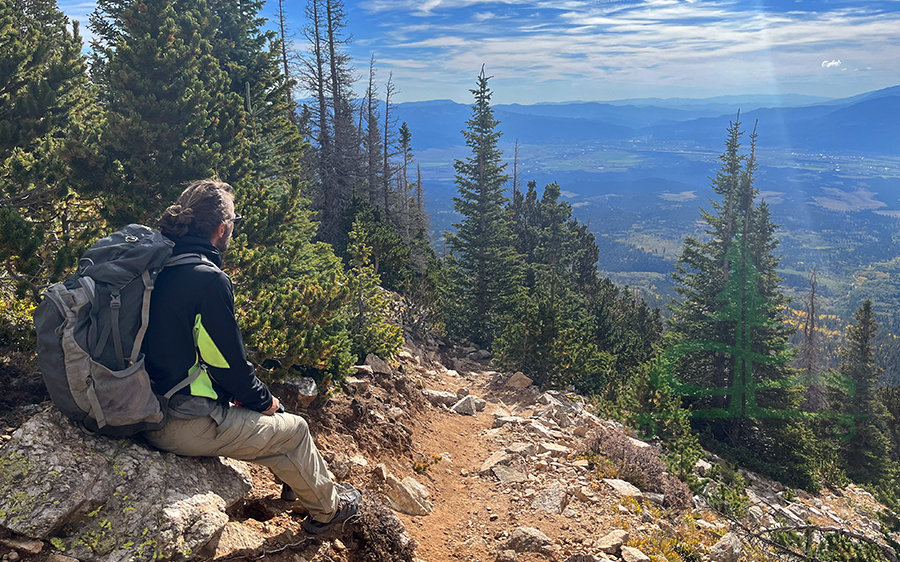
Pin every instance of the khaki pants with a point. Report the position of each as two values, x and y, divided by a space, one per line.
281 442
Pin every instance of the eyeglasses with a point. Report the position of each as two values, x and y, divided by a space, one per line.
236 220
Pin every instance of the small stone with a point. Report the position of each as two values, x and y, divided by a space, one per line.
728 549
13 556
630 554
611 543
623 488
503 420
463 472
500 457
357 385
508 475
60 558
528 539
658 499
524 449
338 545
28 546
466 406
494 517
364 370
378 365
506 556
583 464
440 397
462 393
381 472
518 380
554 449
552 500
359 460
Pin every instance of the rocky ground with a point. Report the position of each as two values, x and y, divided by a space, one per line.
481 466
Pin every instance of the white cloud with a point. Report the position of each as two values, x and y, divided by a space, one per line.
831 63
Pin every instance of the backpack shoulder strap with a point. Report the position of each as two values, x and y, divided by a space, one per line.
187 259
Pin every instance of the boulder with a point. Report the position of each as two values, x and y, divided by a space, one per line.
524 449
528 539
479 355
466 406
379 365
554 449
552 499
728 549
440 397
630 554
408 496
500 457
518 380
503 420
297 391
507 475
611 543
480 403
116 499
623 488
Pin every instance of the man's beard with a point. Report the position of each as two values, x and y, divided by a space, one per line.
222 244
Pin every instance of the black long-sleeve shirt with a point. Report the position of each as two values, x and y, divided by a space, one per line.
192 326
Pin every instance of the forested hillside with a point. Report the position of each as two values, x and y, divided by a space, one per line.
334 258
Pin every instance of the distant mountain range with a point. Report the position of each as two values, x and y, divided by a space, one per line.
865 124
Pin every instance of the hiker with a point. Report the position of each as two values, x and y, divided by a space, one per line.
226 411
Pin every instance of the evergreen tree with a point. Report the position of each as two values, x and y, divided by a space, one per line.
172 116
739 228
865 454
48 116
486 265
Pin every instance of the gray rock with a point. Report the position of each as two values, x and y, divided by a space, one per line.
518 380
528 539
479 355
585 558
658 499
755 515
107 492
500 457
552 499
356 385
302 390
701 467
340 466
480 403
554 449
507 475
728 549
462 393
466 406
378 365
440 397
25 545
540 430
381 472
238 540
611 543
60 558
506 556
363 370
524 449
623 488
503 420
630 554
408 496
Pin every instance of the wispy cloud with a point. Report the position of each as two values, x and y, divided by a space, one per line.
629 46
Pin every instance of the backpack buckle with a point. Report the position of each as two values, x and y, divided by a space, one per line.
115 301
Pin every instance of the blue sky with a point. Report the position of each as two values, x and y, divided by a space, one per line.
540 50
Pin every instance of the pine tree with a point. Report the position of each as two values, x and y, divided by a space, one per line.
172 116
865 454
48 118
486 264
780 446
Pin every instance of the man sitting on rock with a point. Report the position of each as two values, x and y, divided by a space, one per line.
194 336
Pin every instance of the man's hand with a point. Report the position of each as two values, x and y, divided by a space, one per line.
273 408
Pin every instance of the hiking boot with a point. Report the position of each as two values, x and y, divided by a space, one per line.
350 499
288 494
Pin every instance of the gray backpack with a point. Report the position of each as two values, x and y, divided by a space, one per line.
90 329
